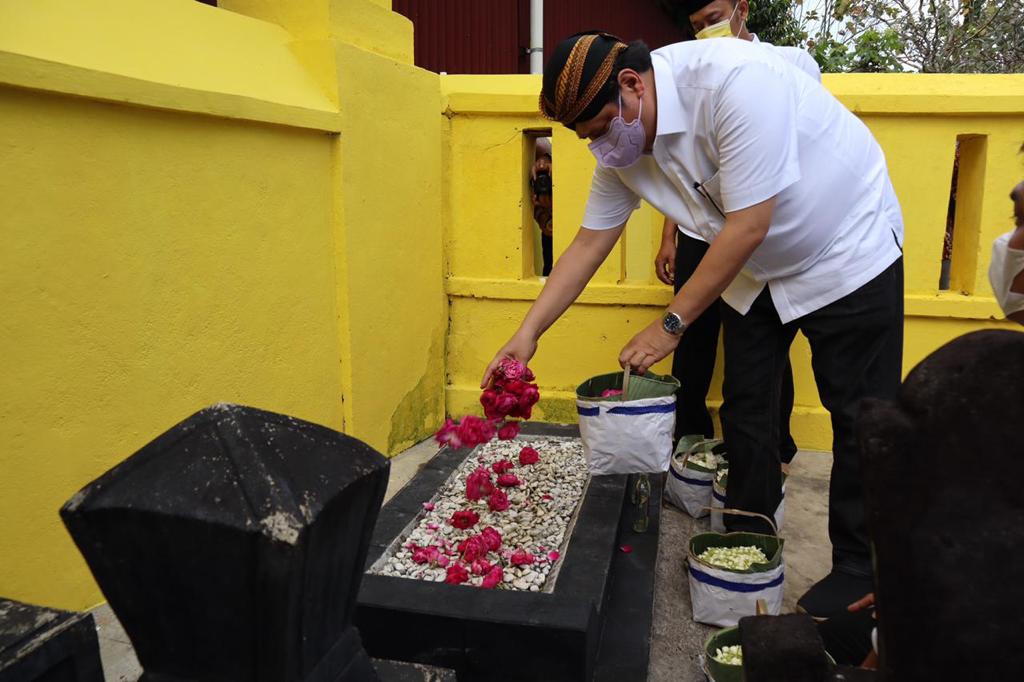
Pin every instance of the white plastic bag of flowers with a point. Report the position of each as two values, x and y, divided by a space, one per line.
718 500
730 572
692 474
627 423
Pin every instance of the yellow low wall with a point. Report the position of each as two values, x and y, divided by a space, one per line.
916 118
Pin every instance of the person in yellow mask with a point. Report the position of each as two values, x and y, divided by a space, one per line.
693 362
728 19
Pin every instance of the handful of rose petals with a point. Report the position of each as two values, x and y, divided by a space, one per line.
511 396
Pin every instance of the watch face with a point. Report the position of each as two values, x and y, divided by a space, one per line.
672 323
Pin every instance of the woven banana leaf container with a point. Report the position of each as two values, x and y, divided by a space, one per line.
641 386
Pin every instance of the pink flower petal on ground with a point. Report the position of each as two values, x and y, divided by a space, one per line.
626 549
521 557
493 578
464 519
546 497
502 466
481 567
457 574
432 526
553 556
498 501
509 481
528 456
429 506
443 561
492 538
473 548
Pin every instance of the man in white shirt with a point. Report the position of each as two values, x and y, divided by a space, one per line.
693 361
792 192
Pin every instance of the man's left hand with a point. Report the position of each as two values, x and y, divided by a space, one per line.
647 347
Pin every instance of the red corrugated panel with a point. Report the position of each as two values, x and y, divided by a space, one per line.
489 36
465 36
638 20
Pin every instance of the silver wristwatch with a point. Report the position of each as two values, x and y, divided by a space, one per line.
673 324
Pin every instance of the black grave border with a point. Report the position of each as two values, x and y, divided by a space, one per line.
510 635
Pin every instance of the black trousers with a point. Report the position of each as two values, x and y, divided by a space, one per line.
694 360
547 251
856 353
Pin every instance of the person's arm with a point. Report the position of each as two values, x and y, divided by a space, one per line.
754 122
568 278
743 232
665 261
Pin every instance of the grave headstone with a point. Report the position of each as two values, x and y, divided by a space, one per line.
943 472
784 648
231 547
37 643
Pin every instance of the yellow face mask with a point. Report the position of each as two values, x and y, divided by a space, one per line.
723 29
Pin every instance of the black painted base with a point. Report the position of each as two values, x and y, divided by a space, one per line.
510 635
397 671
37 643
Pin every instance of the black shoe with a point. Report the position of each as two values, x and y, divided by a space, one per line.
833 593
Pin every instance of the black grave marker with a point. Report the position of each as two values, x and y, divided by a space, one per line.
943 470
232 546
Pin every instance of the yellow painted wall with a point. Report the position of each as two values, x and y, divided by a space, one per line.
205 204
267 203
916 118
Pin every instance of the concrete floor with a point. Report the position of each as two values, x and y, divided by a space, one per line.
676 639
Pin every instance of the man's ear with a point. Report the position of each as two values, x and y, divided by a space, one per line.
743 11
630 80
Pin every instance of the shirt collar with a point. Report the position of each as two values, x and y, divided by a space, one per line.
754 38
670 109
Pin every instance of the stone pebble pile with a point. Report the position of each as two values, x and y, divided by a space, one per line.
537 521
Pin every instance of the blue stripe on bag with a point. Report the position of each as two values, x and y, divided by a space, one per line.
702 577
588 411
714 493
637 409
685 479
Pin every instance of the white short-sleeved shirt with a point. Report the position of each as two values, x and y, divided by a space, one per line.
798 57
737 125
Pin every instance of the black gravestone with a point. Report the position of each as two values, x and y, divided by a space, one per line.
943 473
37 643
782 649
232 546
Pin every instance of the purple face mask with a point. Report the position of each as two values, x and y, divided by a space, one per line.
623 144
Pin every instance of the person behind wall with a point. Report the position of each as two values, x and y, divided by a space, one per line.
693 362
792 193
1006 271
540 196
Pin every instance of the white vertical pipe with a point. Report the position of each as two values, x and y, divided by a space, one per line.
536 36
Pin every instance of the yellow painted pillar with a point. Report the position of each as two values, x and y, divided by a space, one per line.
387 193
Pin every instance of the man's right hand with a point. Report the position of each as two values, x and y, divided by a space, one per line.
520 347
864 602
665 262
